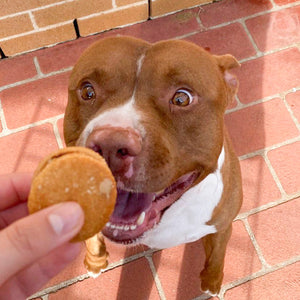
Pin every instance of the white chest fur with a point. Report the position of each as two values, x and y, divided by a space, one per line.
185 221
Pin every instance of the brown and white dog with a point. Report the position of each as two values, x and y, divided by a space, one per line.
155 112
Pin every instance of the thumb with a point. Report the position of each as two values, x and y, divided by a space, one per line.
34 236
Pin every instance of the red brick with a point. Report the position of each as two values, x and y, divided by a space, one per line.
162 7
61 56
179 268
60 126
132 281
285 161
278 285
15 25
276 231
126 2
16 69
259 187
167 27
241 258
228 39
293 101
11 7
65 55
38 39
281 29
69 11
22 151
229 10
113 19
284 2
35 101
260 126
269 75
76 268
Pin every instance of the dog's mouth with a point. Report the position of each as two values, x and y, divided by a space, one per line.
136 213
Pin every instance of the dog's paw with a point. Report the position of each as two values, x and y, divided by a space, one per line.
208 292
210 283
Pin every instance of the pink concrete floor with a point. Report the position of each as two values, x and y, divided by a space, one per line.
262 261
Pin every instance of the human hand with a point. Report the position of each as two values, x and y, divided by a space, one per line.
33 248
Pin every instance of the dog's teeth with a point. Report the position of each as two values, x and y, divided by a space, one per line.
141 219
126 228
108 224
121 227
133 227
112 226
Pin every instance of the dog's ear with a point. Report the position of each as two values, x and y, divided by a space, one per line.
227 62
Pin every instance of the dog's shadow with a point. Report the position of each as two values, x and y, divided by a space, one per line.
176 270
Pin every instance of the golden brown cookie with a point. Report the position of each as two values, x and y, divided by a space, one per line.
75 174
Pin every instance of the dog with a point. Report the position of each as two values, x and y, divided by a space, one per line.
155 112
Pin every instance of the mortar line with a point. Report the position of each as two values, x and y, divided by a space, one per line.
38 67
35 78
266 149
2 120
180 10
59 286
257 248
273 3
40 29
274 174
296 121
32 18
34 9
28 126
113 2
258 274
258 14
239 103
202 27
57 135
264 207
156 278
258 52
118 8
262 100
68 282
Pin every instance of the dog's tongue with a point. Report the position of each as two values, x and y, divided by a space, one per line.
130 205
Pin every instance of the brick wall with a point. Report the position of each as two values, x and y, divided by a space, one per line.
26 25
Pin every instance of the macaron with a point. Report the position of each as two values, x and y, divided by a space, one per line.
75 174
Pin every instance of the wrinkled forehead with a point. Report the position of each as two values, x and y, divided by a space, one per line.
124 60
179 63
109 58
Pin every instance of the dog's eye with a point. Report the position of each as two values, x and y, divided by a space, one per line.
182 98
87 92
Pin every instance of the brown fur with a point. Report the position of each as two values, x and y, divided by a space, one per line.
169 150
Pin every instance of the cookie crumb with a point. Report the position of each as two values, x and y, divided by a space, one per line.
105 187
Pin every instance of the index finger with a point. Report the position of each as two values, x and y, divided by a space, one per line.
14 188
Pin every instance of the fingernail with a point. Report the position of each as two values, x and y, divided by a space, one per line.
65 217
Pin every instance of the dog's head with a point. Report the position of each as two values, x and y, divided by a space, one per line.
155 113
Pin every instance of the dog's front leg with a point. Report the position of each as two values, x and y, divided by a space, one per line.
215 248
96 255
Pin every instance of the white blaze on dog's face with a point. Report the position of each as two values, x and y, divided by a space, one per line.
155 112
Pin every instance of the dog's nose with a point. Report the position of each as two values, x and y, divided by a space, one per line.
117 145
